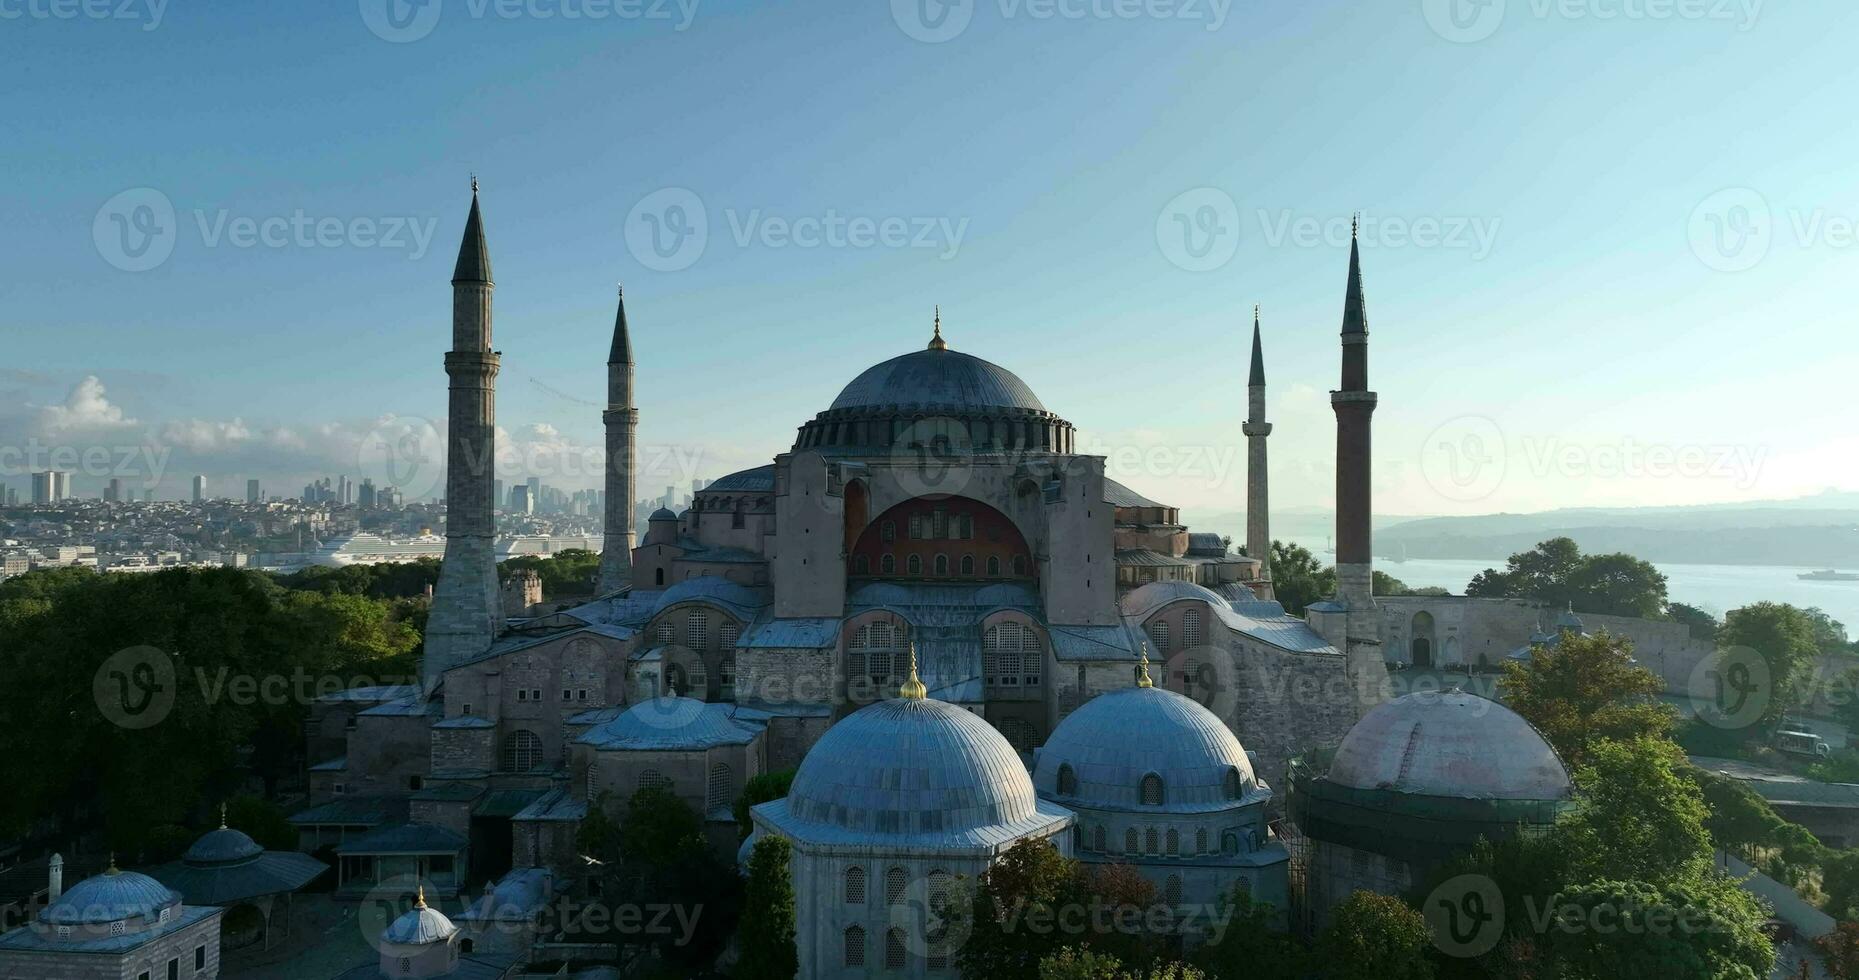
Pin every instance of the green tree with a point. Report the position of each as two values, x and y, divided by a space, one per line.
1704 929
569 572
665 861
1839 951
1703 625
759 789
1557 574
1372 935
1583 689
1027 886
767 933
659 827
1079 963
1786 639
1541 573
1252 945
1638 815
1298 578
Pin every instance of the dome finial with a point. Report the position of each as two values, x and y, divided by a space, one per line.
936 342
222 815
419 901
913 689
112 869
1142 666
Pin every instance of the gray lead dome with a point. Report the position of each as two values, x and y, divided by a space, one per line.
1113 740
940 379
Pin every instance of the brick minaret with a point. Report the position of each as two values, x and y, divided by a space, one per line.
1258 503
465 603
1354 404
622 422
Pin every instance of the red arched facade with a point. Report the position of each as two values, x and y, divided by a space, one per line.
942 538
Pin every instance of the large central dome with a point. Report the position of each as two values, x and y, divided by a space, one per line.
939 378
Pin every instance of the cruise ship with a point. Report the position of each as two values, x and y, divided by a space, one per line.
372 549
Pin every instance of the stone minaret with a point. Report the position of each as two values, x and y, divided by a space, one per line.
1354 404
1258 515
465 605
622 421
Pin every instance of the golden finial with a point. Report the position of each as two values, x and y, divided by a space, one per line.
222 816
419 901
936 342
913 689
1142 666
112 869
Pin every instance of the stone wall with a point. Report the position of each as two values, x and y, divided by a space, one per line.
152 957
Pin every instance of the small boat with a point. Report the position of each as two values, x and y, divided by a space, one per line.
1828 575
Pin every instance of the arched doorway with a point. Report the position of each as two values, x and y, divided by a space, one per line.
1422 643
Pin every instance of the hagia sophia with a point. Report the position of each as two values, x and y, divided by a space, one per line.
957 630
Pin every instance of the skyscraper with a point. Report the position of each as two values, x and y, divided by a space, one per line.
200 488
252 495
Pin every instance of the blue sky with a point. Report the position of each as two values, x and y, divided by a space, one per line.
1555 255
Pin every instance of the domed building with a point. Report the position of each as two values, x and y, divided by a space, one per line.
893 803
227 868
1158 782
422 944
1417 781
113 925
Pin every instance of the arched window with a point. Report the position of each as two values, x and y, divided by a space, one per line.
887 564
1150 841
942 566
664 631
1152 790
994 566
1235 787
888 531
1171 890
855 946
1019 564
968 564
1102 845
1191 628
1129 841
894 886
1068 780
522 751
593 778
914 564
1174 842
894 949
855 886
653 779
1200 841
1011 657
861 564
717 793
697 631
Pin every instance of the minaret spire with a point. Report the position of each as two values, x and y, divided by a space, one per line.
465 607
621 420
1357 628
936 341
1258 494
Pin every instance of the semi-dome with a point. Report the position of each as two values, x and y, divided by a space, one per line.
110 897
420 925
1449 744
938 378
1100 755
673 723
222 846
910 766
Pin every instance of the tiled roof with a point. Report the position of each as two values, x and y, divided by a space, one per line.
756 479
406 838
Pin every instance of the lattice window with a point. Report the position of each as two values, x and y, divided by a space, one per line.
593 779
887 565
942 566
855 946
727 635
1150 841
916 527
664 631
1191 627
1171 890
894 949
727 675
1102 846
1129 841
1158 635
968 564
653 779
718 792
1174 842
887 531
914 564
994 566
1235 785
1020 734
696 631
855 886
522 751
894 886
1152 790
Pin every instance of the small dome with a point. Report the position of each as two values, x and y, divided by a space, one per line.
912 767
662 514
1145 599
222 846
110 897
938 378
1450 744
1114 740
420 925
673 724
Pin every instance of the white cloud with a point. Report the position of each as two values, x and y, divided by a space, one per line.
86 408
